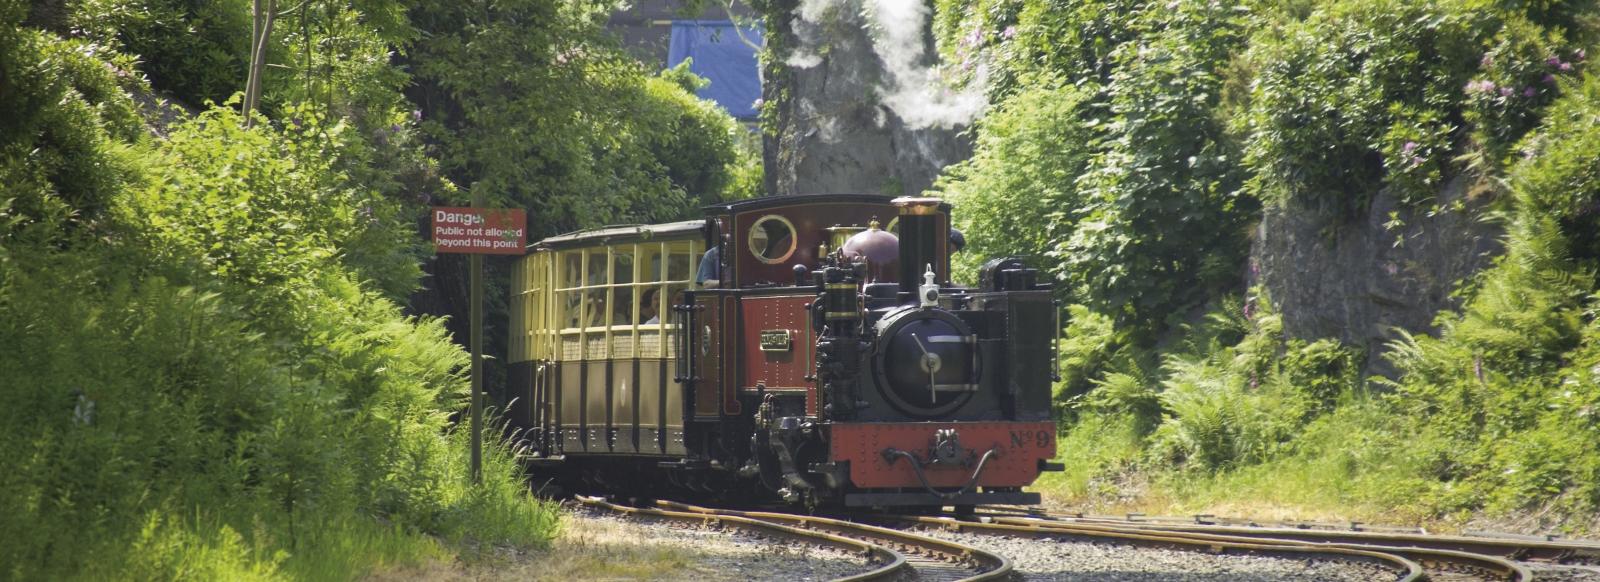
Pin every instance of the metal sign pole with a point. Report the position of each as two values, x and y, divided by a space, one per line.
475 265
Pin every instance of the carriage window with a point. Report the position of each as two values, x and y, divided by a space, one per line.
622 264
571 270
678 262
772 239
595 273
594 307
622 306
571 308
650 306
674 297
650 262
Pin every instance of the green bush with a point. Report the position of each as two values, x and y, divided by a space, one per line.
196 50
1509 382
1131 188
1358 93
1017 195
1028 43
1367 94
1238 392
59 141
615 144
198 377
1162 224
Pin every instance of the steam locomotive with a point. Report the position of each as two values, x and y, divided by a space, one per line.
791 347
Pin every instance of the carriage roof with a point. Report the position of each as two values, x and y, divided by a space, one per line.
623 233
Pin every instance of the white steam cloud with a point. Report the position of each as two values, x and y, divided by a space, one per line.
914 90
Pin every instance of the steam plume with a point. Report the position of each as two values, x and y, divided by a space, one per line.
913 89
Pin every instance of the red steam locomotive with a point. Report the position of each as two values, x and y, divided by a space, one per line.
785 346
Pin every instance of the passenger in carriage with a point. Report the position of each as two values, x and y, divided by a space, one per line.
647 307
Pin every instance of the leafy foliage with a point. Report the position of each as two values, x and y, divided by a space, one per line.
1513 374
1366 94
196 49
1030 150
1131 145
1028 42
204 376
615 145
1131 188
1162 220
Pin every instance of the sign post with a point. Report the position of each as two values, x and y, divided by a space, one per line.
478 231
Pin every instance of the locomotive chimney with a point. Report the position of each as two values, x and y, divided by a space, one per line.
924 235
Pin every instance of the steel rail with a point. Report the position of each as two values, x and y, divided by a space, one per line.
1410 571
990 566
894 564
1520 550
1492 566
1003 510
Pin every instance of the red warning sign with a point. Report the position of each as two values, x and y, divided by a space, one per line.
487 231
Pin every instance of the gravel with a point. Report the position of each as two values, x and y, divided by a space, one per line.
1554 573
733 554
1048 560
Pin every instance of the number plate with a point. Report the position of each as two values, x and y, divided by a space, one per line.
776 340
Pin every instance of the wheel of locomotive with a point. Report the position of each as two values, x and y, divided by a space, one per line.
920 353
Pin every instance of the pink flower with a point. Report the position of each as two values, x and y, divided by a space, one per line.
1009 32
1580 54
1505 91
1529 92
1553 61
1487 60
1566 67
1549 79
1410 146
973 38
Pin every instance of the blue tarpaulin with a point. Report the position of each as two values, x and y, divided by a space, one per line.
723 58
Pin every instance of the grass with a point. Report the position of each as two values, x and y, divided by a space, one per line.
1351 465
588 549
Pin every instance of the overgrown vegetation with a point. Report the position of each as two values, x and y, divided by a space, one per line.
1131 146
207 368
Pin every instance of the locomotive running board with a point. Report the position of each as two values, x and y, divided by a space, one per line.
969 498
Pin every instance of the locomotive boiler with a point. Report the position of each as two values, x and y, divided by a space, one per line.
809 348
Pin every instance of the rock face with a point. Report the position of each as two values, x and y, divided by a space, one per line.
1358 280
831 133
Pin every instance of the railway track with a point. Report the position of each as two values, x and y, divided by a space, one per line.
893 554
930 558
1444 556
1405 569
1517 549
1420 563
896 552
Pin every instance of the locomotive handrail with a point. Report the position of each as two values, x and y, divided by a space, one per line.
683 339
810 345
891 453
1055 370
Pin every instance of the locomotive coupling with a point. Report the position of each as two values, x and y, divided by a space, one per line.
945 451
945 445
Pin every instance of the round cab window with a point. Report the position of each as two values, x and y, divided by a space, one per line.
772 239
